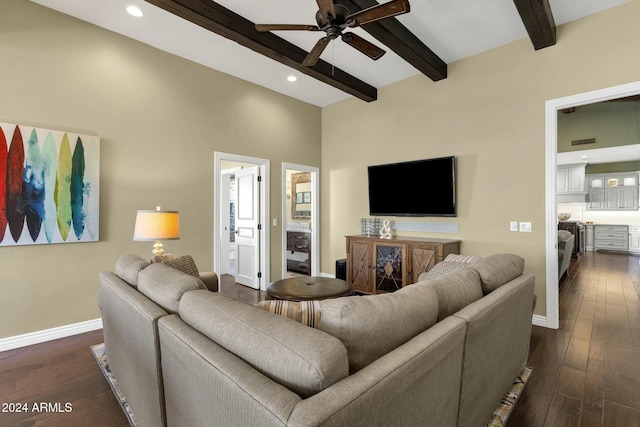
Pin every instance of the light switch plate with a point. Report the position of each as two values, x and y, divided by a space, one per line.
525 227
513 226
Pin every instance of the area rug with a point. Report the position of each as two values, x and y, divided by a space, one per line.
501 415
101 357
498 419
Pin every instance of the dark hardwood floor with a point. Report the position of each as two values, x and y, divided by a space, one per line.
587 373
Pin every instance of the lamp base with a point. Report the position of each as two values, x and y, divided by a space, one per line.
158 249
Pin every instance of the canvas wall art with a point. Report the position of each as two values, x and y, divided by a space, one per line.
49 186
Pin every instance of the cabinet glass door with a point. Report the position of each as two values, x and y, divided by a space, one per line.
390 266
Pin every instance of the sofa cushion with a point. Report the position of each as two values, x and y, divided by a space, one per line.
496 270
305 360
455 290
128 266
305 312
165 285
371 326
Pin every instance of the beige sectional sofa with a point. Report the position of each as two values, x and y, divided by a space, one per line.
440 352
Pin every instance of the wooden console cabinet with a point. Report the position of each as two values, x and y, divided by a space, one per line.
377 265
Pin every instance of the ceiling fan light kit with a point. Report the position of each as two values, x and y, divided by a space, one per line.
333 19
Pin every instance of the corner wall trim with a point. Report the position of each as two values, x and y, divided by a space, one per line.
38 337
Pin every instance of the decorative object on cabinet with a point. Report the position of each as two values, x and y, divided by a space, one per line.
370 226
563 216
385 231
376 265
51 186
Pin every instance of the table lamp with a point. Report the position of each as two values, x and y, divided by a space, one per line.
156 226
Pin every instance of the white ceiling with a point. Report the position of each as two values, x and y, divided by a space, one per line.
453 29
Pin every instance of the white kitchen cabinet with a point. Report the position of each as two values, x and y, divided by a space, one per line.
612 237
613 192
634 238
570 178
589 237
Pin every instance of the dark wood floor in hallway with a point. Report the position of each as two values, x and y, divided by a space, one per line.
587 373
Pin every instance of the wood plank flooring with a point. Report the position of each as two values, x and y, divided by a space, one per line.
587 373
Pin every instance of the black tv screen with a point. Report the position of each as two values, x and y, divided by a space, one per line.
417 188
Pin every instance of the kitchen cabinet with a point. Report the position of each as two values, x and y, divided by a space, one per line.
634 238
575 228
589 237
570 178
376 265
613 192
612 237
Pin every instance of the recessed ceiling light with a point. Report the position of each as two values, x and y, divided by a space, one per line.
292 78
134 11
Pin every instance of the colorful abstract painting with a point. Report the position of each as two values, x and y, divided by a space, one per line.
49 186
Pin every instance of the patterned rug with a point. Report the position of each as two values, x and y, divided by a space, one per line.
502 413
101 357
498 419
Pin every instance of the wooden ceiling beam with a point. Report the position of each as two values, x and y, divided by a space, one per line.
538 20
226 23
403 42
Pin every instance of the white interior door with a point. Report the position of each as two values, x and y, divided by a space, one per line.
247 227
225 211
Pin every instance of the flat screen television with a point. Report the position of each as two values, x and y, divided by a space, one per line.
417 188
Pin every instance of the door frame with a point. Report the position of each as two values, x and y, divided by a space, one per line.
552 318
315 216
264 210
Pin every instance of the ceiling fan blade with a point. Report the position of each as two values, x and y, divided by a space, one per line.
315 53
364 46
326 8
286 27
378 12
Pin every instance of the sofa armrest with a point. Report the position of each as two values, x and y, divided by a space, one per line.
210 280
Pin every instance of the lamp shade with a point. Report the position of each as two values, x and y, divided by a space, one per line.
157 225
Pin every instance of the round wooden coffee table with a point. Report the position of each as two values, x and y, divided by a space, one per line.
305 288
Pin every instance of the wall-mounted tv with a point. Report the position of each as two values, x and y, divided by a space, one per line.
417 188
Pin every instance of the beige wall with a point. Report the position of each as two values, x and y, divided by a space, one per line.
160 119
489 113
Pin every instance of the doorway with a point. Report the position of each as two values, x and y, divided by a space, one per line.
551 320
241 198
300 220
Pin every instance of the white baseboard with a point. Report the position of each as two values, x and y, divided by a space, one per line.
538 320
49 334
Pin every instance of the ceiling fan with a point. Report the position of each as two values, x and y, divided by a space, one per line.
334 18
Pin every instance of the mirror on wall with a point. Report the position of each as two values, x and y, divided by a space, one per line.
301 195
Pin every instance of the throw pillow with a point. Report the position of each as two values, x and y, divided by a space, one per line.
185 263
305 312
465 259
